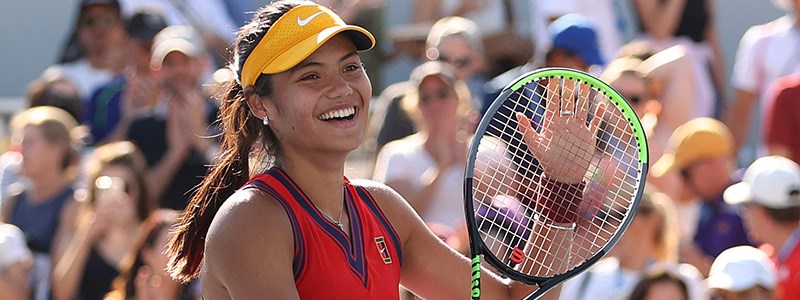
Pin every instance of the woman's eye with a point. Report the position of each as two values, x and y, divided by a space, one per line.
309 77
353 67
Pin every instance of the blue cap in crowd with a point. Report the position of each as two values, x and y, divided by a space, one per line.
576 33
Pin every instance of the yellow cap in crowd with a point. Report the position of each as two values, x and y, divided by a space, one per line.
696 139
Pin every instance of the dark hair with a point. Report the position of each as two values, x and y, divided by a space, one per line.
124 285
72 50
40 92
244 138
658 275
127 155
789 215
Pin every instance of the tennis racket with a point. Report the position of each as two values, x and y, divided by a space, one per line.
554 175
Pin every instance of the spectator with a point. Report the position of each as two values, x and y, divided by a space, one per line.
112 106
459 42
658 87
45 207
454 40
781 126
742 272
427 168
606 17
96 49
649 244
689 23
573 41
173 136
144 273
209 18
770 195
766 52
53 91
15 263
117 201
697 149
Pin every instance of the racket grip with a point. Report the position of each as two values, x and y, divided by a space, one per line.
560 201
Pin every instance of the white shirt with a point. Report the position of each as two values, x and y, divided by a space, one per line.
406 159
83 75
766 52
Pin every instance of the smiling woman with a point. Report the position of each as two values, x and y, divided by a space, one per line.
276 217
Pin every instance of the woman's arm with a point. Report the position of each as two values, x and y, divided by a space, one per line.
431 269
14 281
70 263
256 228
660 19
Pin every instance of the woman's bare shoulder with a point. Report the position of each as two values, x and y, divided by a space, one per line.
249 216
381 192
250 244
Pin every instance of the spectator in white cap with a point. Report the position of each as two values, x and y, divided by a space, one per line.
742 272
15 263
770 194
172 136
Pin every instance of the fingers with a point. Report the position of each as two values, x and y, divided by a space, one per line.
598 117
529 135
567 94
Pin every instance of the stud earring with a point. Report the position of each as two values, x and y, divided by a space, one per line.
265 120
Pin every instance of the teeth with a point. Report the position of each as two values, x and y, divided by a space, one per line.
342 113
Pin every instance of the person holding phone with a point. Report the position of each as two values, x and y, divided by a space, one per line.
116 204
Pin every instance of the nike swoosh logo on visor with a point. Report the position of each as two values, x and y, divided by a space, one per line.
304 22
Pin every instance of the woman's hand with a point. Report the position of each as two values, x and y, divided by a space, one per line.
565 144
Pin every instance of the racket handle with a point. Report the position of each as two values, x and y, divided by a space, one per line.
560 201
476 278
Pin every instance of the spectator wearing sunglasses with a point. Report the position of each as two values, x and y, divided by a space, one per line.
96 49
427 167
459 42
453 40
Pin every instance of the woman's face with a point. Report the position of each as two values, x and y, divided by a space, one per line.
634 89
457 51
120 197
38 154
155 256
438 103
321 104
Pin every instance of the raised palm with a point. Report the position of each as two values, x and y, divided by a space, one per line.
565 143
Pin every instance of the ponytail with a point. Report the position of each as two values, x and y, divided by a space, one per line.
244 138
230 172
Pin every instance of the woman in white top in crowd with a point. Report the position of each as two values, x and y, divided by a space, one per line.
427 168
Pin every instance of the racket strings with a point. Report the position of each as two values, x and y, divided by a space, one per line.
513 225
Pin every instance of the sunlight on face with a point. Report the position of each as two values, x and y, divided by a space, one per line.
323 102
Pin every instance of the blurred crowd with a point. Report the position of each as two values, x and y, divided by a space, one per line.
118 132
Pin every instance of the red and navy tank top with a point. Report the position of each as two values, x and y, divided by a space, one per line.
327 263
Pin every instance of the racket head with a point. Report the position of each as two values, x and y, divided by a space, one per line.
505 225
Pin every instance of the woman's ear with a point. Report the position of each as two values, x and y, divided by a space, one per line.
257 106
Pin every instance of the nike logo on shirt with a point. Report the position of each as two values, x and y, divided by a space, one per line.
304 22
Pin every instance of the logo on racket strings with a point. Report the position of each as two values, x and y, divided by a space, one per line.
517 255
